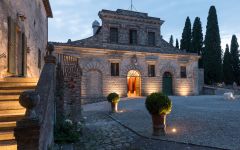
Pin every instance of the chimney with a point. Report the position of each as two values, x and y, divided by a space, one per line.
95 26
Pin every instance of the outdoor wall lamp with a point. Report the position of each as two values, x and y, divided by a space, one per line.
21 16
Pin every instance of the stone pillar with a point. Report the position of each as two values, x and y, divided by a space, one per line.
27 131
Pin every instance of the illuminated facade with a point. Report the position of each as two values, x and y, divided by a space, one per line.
128 55
23 37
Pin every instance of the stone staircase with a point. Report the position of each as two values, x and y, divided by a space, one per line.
10 109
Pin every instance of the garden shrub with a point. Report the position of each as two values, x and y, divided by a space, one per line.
158 104
113 98
66 131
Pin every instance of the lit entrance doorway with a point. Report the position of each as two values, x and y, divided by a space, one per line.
167 85
134 83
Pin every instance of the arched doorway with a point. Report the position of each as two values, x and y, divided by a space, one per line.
94 84
167 85
134 83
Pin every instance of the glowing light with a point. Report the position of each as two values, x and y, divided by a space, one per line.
174 130
184 91
122 111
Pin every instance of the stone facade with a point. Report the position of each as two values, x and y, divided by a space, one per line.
97 53
23 36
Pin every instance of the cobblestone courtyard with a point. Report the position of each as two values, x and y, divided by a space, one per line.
202 120
134 130
103 133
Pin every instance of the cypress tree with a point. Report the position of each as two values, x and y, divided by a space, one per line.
197 36
227 67
235 59
197 39
212 53
171 40
177 44
186 36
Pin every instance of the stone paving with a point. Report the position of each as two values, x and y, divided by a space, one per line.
101 132
202 120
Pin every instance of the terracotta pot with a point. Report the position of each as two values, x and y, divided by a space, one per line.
159 125
114 107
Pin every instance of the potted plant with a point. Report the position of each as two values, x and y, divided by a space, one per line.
113 98
158 105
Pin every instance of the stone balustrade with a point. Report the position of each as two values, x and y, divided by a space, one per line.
35 130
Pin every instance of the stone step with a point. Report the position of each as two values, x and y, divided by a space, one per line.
19 79
12 85
9 118
6 135
8 97
8 145
10 104
12 91
12 112
6 126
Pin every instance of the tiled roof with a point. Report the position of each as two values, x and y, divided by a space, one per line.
95 42
48 8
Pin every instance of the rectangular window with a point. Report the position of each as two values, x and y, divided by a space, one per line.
39 59
113 35
133 37
183 72
114 69
151 70
151 38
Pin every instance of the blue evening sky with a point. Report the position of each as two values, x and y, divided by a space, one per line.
73 18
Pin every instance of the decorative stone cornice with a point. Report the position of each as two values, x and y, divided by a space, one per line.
130 16
48 8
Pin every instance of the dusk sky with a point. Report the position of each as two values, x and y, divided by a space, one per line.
73 18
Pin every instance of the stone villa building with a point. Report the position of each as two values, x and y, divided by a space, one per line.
23 42
128 55
23 36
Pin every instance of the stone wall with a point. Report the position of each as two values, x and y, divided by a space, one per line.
98 62
34 26
201 80
125 20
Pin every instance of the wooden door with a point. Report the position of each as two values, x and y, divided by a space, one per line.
167 87
138 86
11 46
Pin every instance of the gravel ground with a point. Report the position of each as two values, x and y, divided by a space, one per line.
101 132
202 120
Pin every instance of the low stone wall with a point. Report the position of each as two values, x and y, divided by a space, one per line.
208 90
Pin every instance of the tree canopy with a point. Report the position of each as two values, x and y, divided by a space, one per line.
235 59
212 60
186 36
227 67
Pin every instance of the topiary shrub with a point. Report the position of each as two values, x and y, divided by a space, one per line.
113 98
158 104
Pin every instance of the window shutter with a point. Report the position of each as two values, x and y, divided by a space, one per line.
24 54
149 71
11 46
112 69
117 69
